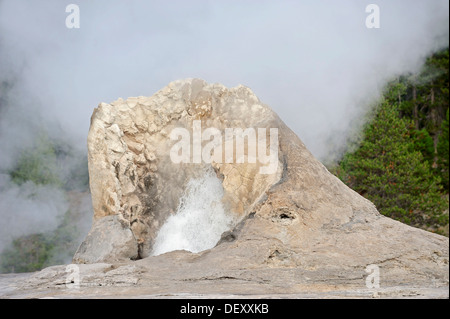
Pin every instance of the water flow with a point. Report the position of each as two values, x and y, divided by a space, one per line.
200 219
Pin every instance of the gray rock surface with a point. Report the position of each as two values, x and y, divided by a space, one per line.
109 239
300 232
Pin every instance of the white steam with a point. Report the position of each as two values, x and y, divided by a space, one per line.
200 219
314 62
28 209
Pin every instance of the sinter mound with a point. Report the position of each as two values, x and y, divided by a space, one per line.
299 231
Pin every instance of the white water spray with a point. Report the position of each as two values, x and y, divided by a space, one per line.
200 219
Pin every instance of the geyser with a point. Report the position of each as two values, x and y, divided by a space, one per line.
200 219
138 189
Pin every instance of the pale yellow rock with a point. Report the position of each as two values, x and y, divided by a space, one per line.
129 147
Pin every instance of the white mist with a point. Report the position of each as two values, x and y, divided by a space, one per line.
200 219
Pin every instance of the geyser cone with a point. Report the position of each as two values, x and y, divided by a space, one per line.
134 177
299 221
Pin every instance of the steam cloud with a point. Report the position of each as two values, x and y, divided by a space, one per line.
39 207
314 62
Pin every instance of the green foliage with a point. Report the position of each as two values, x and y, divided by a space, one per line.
37 164
397 90
424 97
49 162
28 253
402 164
37 251
388 169
423 143
443 156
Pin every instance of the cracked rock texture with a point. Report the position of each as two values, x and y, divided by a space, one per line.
132 175
300 232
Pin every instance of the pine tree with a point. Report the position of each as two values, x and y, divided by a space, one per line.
442 149
388 169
